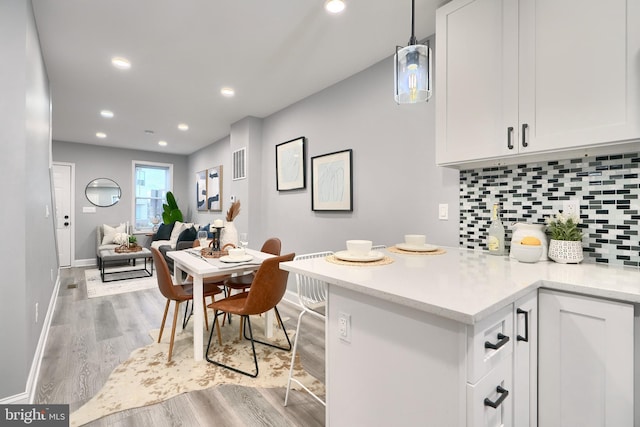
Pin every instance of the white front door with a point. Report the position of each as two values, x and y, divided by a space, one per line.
62 176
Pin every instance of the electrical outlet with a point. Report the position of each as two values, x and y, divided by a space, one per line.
571 207
344 327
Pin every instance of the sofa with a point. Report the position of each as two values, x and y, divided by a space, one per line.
175 237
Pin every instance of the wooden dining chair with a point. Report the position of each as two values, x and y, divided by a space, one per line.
267 290
243 282
177 293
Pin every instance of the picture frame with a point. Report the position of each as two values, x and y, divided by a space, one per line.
332 181
214 189
291 164
201 190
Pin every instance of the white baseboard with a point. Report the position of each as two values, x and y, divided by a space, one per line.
32 379
89 262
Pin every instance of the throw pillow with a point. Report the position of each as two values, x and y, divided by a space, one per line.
164 232
178 228
188 235
206 228
109 232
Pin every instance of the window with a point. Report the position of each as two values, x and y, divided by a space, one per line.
151 182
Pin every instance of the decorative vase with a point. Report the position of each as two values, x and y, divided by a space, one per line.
229 235
565 251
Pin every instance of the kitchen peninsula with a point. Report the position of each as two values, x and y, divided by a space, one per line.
426 335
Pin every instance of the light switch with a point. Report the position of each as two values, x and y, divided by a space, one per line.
88 209
443 211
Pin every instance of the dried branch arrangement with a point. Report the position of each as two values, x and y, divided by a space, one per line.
233 211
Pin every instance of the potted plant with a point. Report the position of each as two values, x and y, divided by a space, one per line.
171 213
565 245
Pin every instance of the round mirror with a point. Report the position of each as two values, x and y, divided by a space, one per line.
103 192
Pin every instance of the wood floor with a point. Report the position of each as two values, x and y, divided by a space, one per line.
90 337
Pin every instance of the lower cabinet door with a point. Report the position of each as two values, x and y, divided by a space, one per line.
585 355
525 361
490 400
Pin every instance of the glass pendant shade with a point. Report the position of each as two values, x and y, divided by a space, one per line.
412 74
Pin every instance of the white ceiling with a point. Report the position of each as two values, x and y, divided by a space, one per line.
273 53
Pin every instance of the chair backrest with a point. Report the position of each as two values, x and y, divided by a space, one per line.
272 246
312 293
268 286
165 282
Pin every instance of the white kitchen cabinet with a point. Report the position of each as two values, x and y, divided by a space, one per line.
525 361
519 77
586 365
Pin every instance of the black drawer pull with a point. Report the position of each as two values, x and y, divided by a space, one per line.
524 135
503 395
502 340
509 136
519 337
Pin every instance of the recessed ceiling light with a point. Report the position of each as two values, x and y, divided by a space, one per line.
162 143
183 126
101 134
120 63
334 6
106 114
227 91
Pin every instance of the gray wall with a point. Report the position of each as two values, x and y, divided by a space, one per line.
396 185
28 255
92 161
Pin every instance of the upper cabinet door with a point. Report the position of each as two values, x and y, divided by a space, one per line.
476 79
579 72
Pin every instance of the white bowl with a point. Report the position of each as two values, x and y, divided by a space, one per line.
359 247
415 239
526 253
236 253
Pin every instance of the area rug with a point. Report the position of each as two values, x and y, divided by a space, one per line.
146 377
96 288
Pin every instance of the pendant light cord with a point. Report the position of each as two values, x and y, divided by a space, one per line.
413 40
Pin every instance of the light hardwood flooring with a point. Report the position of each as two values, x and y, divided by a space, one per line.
88 338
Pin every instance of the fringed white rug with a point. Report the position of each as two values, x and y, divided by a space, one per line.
96 288
147 378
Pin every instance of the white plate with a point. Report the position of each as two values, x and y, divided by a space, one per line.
371 256
415 248
227 258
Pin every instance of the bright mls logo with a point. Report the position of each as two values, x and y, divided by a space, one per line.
34 415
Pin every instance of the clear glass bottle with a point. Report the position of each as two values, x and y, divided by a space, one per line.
495 238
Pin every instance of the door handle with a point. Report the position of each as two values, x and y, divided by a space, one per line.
519 337
502 340
503 395
525 127
66 224
509 137
66 217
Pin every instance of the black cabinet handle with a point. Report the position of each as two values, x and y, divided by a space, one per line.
509 136
519 337
502 340
503 395
524 135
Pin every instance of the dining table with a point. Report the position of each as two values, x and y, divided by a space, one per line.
191 262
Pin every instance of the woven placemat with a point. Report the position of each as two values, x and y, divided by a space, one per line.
384 261
396 250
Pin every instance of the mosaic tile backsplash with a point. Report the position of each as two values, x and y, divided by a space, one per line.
607 188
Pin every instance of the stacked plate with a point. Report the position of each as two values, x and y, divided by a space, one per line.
416 243
359 251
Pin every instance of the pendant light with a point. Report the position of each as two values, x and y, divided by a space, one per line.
412 70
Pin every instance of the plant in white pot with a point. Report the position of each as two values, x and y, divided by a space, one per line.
565 246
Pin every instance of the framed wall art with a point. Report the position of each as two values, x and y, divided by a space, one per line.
290 165
214 189
331 182
201 190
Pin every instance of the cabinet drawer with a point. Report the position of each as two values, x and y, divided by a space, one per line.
495 389
488 342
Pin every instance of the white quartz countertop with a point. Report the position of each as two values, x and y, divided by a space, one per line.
466 285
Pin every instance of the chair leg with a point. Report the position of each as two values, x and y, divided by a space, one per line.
253 348
293 359
283 330
187 314
173 329
164 318
217 323
206 316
